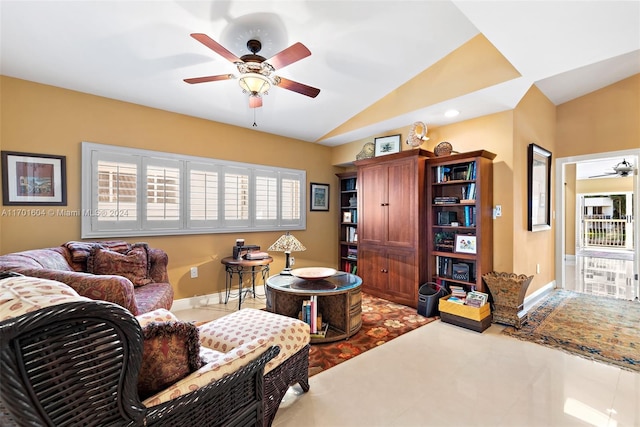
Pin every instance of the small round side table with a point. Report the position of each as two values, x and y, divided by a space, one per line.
241 267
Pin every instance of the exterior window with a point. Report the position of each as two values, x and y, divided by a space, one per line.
131 192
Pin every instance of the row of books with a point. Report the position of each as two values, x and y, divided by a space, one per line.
350 184
462 172
350 267
469 193
351 234
310 315
469 216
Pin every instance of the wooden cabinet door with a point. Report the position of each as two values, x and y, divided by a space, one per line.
372 270
403 276
402 200
372 195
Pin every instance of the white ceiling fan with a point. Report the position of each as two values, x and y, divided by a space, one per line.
624 168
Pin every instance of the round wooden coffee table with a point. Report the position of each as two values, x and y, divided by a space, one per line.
339 301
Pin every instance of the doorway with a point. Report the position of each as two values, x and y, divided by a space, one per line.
597 233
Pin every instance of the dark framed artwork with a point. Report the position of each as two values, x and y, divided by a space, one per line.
387 145
319 197
33 179
539 188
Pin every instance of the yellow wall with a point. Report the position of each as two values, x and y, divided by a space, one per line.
602 121
605 185
534 122
44 119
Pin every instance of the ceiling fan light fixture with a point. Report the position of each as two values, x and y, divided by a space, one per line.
254 83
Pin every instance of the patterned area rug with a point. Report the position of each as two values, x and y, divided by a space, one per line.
382 321
598 328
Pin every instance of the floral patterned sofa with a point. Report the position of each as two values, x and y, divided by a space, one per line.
133 276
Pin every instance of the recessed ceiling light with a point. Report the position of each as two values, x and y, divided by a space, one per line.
451 113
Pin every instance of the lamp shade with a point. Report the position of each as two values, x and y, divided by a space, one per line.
287 243
254 83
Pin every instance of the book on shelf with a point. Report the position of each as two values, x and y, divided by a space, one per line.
309 313
443 200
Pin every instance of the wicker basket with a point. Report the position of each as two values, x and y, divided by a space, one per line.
443 149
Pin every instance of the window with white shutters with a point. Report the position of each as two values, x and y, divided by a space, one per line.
131 192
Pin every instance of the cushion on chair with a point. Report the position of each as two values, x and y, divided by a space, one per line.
24 294
218 365
133 264
248 324
171 351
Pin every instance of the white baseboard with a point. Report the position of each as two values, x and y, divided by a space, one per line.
534 298
200 301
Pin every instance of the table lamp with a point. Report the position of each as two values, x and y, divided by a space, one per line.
287 244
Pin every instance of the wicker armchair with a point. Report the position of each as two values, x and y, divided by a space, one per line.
77 363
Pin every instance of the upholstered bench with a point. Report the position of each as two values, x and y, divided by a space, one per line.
289 367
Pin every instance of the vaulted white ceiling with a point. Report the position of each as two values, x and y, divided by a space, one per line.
362 51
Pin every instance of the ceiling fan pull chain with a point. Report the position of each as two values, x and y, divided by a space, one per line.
255 125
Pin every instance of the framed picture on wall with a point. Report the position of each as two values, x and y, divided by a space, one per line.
33 179
319 197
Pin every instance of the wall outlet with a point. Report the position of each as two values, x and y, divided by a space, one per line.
194 272
498 210
538 268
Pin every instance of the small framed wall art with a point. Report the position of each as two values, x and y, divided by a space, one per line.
33 179
465 244
387 145
319 197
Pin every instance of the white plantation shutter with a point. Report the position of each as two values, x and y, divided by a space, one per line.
162 186
204 195
131 192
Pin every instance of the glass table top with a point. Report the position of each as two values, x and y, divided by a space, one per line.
340 281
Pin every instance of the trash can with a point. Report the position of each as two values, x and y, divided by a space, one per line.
428 296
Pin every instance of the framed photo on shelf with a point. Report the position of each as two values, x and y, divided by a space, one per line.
346 216
465 244
387 145
319 197
33 179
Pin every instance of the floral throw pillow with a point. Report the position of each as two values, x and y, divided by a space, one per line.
171 352
133 264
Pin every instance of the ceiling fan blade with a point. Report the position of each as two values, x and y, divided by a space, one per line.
255 102
216 47
299 87
209 78
292 54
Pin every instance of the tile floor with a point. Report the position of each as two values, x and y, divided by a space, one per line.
443 375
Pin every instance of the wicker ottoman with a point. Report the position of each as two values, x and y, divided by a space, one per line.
289 367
